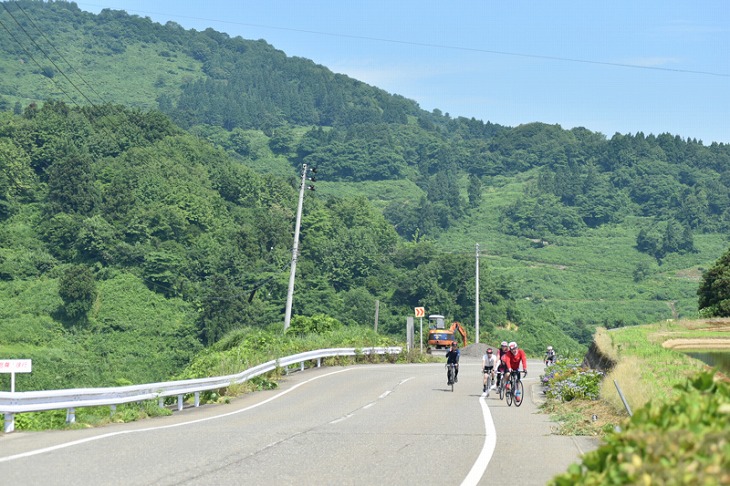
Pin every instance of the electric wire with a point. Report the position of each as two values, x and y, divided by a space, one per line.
259 284
47 57
36 62
40 31
437 46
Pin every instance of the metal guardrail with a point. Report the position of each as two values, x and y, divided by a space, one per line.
70 399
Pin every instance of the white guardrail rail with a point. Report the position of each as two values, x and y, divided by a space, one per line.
70 399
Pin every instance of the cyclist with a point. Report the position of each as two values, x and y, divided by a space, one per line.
502 368
512 359
453 357
549 356
489 362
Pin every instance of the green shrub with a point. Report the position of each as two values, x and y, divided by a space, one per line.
54 419
131 412
316 324
567 381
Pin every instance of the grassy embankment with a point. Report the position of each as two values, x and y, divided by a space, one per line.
647 366
678 433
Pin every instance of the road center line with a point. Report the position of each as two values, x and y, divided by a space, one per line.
490 442
365 407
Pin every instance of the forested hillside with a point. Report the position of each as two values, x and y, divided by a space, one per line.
149 180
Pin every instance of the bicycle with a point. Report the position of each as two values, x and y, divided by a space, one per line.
516 391
501 387
451 374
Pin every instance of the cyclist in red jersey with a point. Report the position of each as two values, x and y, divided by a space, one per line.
512 360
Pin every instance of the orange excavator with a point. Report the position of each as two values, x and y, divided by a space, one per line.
439 337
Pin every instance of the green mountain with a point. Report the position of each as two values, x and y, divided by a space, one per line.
149 180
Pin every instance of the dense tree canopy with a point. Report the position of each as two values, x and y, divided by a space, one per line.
187 190
714 291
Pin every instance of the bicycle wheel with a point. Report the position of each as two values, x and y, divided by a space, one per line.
451 377
509 392
501 389
519 387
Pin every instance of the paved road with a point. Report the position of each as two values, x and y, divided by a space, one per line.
357 425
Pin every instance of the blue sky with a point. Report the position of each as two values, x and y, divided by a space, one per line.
622 66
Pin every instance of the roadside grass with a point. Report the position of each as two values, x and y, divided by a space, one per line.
583 417
574 402
645 370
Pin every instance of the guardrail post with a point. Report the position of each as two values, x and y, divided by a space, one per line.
179 402
9 423
71 416
161 402
628 409
112 410
301 366
197 399
319 362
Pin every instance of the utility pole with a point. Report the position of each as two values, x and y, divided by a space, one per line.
377 312
295 247
476 310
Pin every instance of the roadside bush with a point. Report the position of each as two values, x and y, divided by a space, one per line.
685 441
317 324
565 382
54 419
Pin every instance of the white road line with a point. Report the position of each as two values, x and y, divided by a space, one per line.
490 442
335 421
365 407
148 429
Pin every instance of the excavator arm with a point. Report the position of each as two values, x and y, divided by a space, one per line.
456 326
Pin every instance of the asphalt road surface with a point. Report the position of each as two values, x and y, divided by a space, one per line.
358 425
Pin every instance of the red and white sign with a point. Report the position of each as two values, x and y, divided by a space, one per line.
15 366
420 311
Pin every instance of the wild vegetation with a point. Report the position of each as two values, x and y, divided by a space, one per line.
678 431
682 441
147 205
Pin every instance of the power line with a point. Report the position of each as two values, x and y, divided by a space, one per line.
4 4
40 31
440 46
546 265
35 61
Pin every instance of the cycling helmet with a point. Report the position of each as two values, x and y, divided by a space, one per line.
489 350
513 345
550 348
504 343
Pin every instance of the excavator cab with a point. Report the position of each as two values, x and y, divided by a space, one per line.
441 338
438 336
